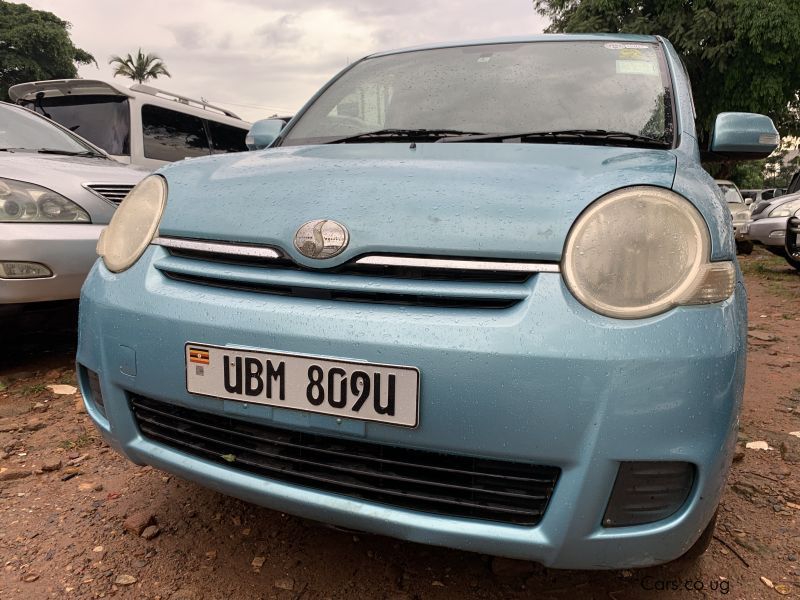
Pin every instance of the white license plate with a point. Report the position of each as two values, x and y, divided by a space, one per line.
343 388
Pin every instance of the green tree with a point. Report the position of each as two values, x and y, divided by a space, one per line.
741 55
140 67
35 45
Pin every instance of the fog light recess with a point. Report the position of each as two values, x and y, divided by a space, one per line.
94 388
645 492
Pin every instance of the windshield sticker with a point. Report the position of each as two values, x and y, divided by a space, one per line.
618 46
630 53
637 67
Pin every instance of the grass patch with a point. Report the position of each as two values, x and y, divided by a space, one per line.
36 388
68 378
81 441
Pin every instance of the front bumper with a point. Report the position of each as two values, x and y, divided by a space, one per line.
769 231
67 249
546 381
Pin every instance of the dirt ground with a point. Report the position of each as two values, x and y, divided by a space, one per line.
74 515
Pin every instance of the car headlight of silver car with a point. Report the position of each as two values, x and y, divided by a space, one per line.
133 225
641 251
22 202
785 209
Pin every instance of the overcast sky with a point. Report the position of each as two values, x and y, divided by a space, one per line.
257 57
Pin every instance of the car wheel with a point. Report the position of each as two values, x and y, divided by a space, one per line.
702 543
745 247
794 260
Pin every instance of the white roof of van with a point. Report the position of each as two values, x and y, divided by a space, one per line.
96 87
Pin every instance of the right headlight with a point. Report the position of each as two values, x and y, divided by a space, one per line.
134 224
785 209
641 251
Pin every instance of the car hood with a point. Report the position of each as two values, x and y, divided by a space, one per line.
53 171
481 200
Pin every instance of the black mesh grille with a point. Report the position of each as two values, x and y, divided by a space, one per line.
509 492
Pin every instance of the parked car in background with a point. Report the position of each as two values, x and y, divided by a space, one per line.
792 246
769 222
751 197
794 184
140 125
740 214
57 191
480 295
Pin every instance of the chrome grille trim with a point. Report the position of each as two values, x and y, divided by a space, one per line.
458 264
218 247
112 192
377 260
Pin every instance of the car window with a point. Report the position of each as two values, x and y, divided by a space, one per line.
498 88
22 130
171 135
731 193
225 138
103 120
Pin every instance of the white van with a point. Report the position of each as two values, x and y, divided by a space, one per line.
140 125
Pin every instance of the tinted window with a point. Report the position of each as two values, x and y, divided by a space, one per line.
21 129
498 89
225 138
103 120
171 135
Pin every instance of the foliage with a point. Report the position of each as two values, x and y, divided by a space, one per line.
741 55
35 45
140 67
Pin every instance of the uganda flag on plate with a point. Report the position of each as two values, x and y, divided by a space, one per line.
198 356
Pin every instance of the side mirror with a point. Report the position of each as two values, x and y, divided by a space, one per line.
262 133
743 136
748 201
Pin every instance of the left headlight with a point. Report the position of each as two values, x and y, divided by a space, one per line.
22 202
641 251
785 209
133 225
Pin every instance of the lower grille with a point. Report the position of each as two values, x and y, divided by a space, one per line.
345 295
460 486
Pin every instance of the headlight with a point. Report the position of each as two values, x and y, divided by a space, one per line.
134 224
641 251
785 209
22 202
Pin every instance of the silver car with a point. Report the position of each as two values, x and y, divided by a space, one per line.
740 213
769 222
57 192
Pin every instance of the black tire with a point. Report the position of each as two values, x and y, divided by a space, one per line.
744 247
702 543
793 261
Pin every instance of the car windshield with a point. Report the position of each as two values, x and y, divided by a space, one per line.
22 130
104 120
731 193
511 88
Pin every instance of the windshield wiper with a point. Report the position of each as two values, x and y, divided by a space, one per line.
68 152
389 135
568 136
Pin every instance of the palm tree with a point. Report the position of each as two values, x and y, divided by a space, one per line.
139 68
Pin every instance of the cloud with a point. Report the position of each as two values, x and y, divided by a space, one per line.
257 56
280 32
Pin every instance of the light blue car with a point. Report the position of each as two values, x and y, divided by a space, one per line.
480 295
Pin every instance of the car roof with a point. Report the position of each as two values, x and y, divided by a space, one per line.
545 37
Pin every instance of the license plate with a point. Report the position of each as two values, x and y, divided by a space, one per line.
342 388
